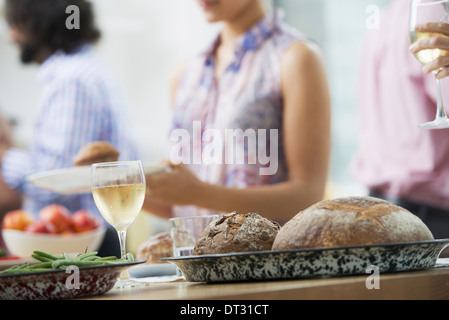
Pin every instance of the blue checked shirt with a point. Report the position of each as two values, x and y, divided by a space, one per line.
79 105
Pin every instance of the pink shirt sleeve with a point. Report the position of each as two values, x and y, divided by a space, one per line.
394 156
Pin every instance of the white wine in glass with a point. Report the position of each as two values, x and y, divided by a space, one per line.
423 11
119 204
428 55
118 189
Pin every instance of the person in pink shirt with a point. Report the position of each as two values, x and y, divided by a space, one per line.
396 160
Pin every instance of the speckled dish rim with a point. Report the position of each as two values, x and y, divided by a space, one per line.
200 268
276 252
105 266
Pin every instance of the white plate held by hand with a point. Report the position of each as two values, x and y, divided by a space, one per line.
76 180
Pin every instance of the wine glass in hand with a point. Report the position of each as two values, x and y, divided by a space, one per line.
422 12
118 189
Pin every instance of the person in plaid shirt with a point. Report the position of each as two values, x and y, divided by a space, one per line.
80 103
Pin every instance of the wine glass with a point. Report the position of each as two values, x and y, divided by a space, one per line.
118 189
423 11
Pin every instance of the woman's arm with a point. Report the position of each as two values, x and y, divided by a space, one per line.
437 42
307 146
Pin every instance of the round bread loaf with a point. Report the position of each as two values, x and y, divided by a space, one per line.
96 152
351 221
236 232
156 247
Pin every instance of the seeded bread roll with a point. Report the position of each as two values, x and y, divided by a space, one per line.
96 152
156 247
236 232
351 221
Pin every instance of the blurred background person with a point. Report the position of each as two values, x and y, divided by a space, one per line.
397 160
79 104
258 74
9 199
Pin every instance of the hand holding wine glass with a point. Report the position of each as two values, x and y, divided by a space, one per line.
425 13
439 41
118 189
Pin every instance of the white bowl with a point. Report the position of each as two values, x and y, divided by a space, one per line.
22 244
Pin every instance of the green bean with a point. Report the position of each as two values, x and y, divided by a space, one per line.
129 257
66 256
47 255
59 263
40 258
89 263
23 266
78 263
87 255
49 261
107 258
19 266
11 271
43 265
16 267
93 258
39 270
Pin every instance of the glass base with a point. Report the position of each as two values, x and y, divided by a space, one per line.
436 124
128 283
179 274
124 281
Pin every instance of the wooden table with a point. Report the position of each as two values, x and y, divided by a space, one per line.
422 285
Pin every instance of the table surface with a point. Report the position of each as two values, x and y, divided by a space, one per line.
422 285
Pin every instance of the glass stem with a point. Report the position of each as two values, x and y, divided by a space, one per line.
441 112
122 238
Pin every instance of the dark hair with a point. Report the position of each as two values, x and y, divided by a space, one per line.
44 21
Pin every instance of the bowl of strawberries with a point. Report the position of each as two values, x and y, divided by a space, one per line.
55 229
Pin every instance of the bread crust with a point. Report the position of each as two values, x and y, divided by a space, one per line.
236 232
96 152
351 221
156 247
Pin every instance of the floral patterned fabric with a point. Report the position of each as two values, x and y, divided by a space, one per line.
238 117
